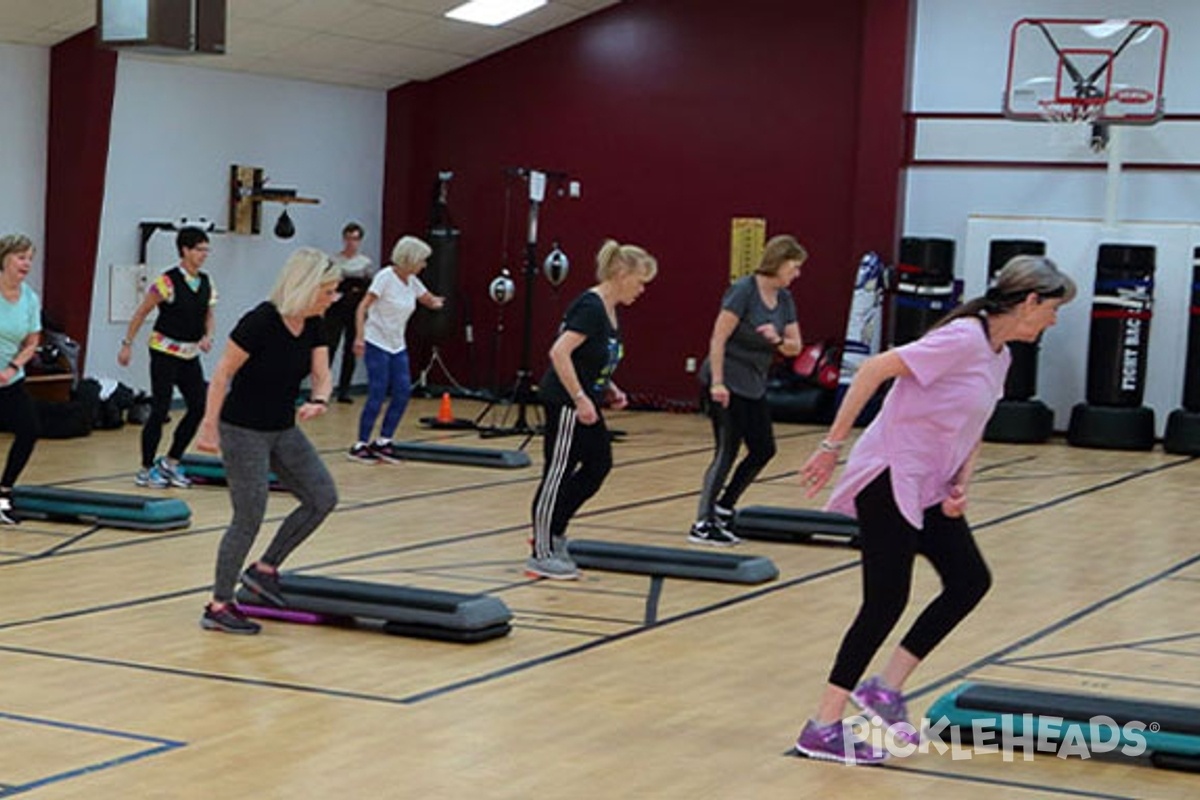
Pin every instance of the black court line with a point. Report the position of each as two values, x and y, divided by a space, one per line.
79 537
1187 578
533 626
1040 788
532 612
1162 652
1110 676
1103 648
1052 628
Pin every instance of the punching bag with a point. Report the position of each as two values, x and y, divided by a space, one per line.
924 287
440 276
1021 383
1191 377
1120 334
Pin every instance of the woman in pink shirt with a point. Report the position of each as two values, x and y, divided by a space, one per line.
906 483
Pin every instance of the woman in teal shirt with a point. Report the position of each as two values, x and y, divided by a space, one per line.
20 332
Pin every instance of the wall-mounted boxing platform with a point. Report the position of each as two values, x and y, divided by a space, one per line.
1167 735
795 525
672 562
399 610
132 511
205 470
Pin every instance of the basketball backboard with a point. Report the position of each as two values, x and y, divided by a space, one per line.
1106 71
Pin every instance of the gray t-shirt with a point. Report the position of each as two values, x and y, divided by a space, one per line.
748 354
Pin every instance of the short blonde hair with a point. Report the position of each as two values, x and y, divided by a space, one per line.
13 243
410 250
778 251
303 274
615 259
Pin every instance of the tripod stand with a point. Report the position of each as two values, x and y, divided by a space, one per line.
521 394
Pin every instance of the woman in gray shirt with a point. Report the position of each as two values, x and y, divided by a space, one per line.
756 321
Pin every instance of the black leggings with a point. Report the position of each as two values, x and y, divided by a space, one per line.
578 458
889 547
167 372
19 416
340 324
745 420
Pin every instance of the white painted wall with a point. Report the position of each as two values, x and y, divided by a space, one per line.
177 129
960 60
24 117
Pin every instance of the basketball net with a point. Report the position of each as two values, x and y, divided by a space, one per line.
1076 121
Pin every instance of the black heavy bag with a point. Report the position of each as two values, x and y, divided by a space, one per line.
441 278
1021 383
1120 335
1191 377
924 286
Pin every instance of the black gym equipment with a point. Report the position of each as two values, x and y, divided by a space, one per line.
1169 734
795 526
924 291
1183 425
204 470
466 456
399 610
672 562
136 512
1018 418
1113 416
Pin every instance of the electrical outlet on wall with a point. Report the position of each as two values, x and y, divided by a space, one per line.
689 364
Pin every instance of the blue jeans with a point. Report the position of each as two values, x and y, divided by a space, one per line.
384 371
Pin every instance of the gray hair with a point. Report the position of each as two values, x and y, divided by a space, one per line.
410 250
1020 277
13 243
303 274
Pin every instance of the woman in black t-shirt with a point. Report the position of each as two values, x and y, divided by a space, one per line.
271 350
578 454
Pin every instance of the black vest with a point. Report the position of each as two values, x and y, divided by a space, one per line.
184 318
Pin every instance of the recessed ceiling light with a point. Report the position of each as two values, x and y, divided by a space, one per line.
493 12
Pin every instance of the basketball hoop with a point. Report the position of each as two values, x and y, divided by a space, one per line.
1079 111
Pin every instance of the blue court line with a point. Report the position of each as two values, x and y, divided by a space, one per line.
1112 676
160 745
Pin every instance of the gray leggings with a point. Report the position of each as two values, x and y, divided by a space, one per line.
250 456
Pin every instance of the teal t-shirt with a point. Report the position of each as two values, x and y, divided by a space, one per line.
18 320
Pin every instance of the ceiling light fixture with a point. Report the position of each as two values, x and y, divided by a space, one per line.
493 12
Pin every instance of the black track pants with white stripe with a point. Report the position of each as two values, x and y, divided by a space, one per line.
578 457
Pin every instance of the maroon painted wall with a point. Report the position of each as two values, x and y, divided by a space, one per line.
675 116
82 82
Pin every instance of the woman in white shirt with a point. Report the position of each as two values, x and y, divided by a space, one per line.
383 316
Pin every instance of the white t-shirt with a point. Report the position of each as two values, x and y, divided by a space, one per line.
394 303
357 266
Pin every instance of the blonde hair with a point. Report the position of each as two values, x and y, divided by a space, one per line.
303 274
615 259
13 243
780 250
410 250
1020 277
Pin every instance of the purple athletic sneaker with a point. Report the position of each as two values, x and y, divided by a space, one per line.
877 699
833 743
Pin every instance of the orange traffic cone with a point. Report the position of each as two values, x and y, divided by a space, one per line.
445 416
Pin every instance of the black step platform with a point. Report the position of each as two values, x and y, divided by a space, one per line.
672 562
402 610
1171 734
795 525
204 470
466 456
136 512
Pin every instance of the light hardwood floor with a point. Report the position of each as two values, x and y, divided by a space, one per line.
109 689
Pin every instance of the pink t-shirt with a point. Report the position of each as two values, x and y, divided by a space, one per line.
930 422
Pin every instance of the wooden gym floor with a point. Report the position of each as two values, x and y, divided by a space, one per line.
604 689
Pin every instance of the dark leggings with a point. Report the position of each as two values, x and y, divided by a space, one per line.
745 420
340 324
578 458
889 548
167 372
19 416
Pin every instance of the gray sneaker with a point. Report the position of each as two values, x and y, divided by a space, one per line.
559 548
152 478
553 567
173 473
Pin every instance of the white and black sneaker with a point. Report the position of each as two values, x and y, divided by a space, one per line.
712 533
6 510
724 517
363 453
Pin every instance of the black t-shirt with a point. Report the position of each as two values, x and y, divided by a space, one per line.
264 392
596 359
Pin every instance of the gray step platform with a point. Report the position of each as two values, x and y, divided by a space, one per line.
795 525
672 562
205 470
467 456
1174 743
403 610
136 512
